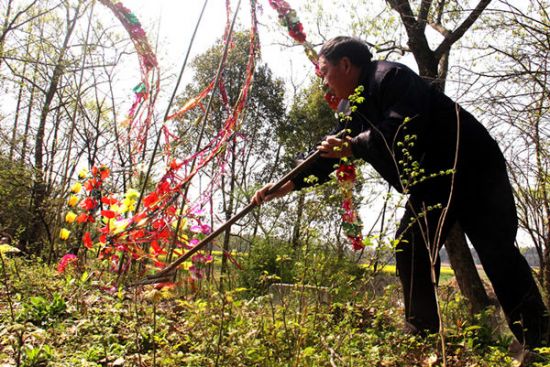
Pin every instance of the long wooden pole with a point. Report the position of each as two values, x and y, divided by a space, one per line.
166 273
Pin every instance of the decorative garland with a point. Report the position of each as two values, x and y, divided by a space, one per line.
108 222
351 222
345 173
289 19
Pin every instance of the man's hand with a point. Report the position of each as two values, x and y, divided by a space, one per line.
261 195
333 147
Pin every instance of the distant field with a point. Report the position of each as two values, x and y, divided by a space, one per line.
446 271
445 274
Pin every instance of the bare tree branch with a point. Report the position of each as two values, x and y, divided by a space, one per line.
455 35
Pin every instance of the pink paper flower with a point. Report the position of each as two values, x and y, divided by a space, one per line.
66 261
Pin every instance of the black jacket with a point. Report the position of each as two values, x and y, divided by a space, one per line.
394 94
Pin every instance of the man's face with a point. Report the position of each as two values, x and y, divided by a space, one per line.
341 77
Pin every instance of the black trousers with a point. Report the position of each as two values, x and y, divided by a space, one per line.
482 202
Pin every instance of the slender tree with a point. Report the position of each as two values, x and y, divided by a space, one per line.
39 186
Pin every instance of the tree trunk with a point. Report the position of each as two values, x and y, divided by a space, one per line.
299 214
30 105
546 269
13 141
433 66
39 191
20 93
466 274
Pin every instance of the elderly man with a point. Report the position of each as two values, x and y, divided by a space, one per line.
427 146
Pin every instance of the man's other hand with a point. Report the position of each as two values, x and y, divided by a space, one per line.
333 147
261 196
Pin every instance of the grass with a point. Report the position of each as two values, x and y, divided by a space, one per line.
78 319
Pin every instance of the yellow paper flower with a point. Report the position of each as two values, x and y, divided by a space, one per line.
83 173
132 194
70 217
64 234
115 208
119 226
183 224
128 206
73 200
76 187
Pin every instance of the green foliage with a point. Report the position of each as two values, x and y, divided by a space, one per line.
275 261
36 357
327 268
309 119
477 331
41 311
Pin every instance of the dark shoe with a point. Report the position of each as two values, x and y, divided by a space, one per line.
410 329
524 357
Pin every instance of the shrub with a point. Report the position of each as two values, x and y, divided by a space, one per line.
15 186
268 262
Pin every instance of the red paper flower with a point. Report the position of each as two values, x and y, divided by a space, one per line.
109 200
346 172
87 239
160 264
357 243
88 204
163 187
159 223
171 210
166 285
84 217
150 199
91 184
157 249
297 33
164 234
176 164
108 214
140 233
332 100
104 172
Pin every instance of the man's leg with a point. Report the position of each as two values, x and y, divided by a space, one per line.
489 219
416 254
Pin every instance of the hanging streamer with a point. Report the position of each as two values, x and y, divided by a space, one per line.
139 116
289 19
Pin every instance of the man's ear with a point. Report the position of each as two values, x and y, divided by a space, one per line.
346 64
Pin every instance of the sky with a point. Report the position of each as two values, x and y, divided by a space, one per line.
178 19
174 22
